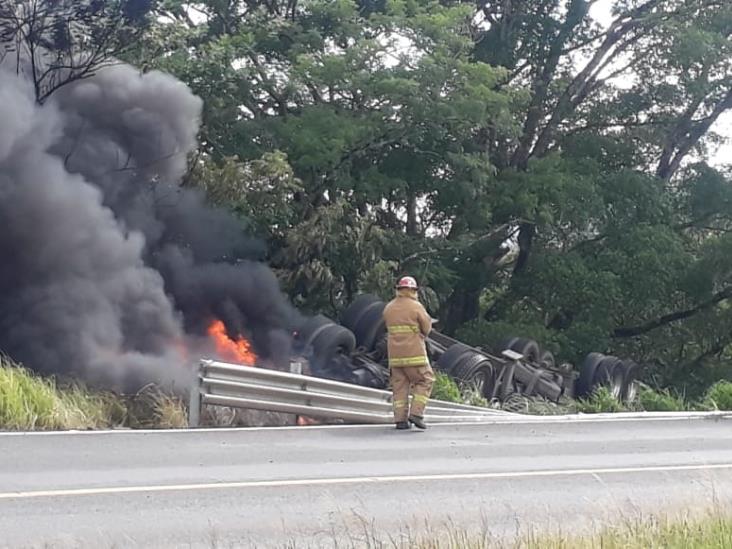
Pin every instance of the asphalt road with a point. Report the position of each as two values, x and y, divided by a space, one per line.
306 487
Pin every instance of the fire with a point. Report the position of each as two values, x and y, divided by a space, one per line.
237 350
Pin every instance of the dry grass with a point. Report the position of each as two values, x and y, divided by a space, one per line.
29 402
713 531
151 408
170 412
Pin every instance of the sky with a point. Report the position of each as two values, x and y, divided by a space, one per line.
719 156
723 155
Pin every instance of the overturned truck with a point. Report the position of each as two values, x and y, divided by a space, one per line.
354 350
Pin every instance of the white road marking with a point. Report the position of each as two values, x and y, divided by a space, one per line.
354 480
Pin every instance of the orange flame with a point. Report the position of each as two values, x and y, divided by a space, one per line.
238 350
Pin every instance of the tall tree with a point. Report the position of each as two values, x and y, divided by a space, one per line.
537 167
378 117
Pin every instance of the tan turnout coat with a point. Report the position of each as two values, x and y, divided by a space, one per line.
408 324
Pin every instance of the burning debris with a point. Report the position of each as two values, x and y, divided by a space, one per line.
237 350
111 270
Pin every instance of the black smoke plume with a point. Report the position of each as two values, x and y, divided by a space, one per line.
109 268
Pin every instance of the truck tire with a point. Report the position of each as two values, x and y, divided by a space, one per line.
529 348
452 357
630 383
483 378
547 360
610 374
310 329
332 342
466 364
475 370
370 326
353 313
323 340
380 352
588 369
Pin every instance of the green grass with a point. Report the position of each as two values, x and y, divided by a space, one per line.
661 400
719 396
34 403
31 402
445 388
600 401
713 532
649 400
708 533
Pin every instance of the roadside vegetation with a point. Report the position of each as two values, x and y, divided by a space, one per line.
32 402
717 397
649 399
445 388
713 531
710 533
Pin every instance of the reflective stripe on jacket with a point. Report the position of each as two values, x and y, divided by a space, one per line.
407 324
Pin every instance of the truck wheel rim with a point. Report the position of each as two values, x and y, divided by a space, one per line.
616 386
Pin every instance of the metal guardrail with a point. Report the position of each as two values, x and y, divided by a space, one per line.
223 384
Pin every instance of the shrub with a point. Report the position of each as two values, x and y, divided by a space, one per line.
719 396
445 388
652 400
600 401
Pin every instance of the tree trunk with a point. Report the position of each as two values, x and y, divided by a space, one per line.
525 242
412 229
462 306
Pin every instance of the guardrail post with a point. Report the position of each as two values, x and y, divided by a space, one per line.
194 406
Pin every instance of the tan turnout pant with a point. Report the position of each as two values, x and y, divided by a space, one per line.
416 380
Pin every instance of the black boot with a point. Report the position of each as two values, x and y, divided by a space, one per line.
418 421
402 425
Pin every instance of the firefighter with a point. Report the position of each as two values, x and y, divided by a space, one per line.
408 325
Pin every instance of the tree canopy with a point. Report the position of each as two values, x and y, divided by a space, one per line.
540 170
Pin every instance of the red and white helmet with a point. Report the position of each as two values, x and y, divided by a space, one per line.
407 282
